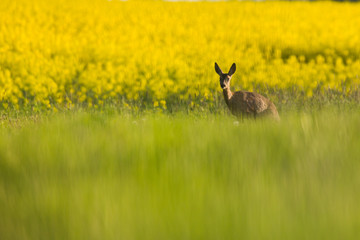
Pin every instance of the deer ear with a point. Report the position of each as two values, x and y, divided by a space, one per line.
232 69
218 70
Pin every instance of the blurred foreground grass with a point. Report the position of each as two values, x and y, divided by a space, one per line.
109 176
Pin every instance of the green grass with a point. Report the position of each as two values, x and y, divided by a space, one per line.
86 175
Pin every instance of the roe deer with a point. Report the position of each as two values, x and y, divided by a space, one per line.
245 104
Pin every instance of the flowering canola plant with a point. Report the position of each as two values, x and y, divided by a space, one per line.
67 52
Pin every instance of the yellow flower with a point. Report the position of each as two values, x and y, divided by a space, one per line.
163 104
86 59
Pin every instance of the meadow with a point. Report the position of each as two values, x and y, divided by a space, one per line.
113 123
84 175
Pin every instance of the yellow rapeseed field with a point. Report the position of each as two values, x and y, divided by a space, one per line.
68 52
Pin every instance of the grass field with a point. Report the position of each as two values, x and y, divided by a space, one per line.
113 124
93 175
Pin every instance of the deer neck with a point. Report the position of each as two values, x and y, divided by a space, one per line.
227 95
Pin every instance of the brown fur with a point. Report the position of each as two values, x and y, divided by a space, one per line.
245 104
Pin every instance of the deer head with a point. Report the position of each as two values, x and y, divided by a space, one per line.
225 77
